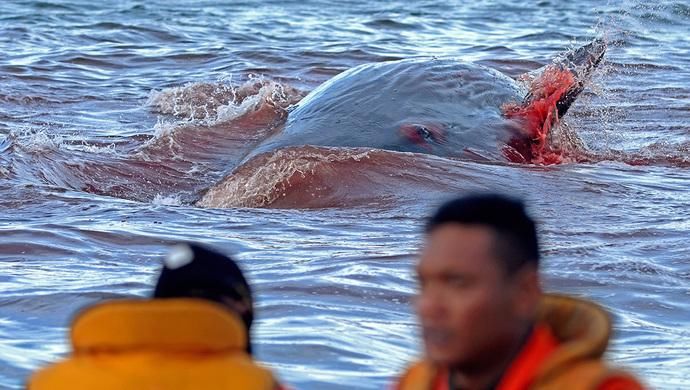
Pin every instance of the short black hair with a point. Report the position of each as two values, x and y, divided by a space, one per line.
516 243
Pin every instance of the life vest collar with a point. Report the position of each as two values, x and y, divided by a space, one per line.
581 327
167 325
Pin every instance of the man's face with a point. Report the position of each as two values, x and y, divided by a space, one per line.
465 303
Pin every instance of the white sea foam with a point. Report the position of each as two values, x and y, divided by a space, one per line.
215 103
37 141
167 200
105 149
163 132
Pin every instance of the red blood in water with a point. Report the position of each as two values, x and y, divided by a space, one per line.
538 116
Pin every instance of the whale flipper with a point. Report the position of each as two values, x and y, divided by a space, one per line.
550 95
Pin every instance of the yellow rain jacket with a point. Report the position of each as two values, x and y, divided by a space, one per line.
156 344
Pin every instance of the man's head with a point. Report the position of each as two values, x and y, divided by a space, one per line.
479 283
192 271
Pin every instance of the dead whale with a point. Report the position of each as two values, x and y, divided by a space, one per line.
444 107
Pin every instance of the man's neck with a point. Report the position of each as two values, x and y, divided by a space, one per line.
488 376
485 380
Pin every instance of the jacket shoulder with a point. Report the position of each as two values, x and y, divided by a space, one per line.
590 375
143 372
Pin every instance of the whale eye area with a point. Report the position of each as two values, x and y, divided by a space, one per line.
420 134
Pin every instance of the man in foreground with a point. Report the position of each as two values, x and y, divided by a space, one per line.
194 334
485 321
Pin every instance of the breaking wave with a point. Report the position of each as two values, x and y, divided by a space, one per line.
316 177
221 102
660 153
36 141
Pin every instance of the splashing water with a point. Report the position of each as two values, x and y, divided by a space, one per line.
217 103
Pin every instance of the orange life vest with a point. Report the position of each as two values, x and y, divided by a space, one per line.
564 352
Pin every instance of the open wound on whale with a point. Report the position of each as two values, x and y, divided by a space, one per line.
537 116
550 96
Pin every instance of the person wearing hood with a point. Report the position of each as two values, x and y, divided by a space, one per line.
485 322
194 334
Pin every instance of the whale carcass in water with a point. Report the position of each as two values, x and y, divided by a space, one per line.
444 107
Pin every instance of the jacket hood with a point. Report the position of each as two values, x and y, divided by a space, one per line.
173 325
582 328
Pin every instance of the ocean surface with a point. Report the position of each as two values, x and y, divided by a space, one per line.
119 118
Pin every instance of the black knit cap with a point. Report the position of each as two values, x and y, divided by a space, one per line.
193 271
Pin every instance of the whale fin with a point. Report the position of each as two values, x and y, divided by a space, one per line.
581 62
570 71
550 96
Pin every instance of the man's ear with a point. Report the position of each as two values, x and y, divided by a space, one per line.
528 292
